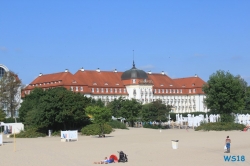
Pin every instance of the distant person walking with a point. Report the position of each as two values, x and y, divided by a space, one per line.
227 143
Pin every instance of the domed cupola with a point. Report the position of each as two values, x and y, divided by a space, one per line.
134 73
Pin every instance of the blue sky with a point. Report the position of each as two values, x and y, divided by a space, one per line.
181 38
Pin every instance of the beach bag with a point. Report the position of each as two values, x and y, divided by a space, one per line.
225 147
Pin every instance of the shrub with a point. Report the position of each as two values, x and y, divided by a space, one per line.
29 133
94 129
117 124
220 126
11 120
147 125
56 133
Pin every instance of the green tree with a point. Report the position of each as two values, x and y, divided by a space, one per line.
130 110
155 111
247 99
225 93
56 109
115 107
2 115
99 115
10 87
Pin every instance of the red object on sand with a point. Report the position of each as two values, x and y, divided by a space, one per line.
114 157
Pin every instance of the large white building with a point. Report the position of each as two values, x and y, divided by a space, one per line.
183 94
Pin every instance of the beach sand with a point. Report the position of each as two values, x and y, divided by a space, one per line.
144 147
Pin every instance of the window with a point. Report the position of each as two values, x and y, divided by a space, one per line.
77 88
111 90
97 90
193 90
134 81
107 90
180 90
159 91
71 88
155 91
93 89
177 91
102 90
115 90
162 90
120 90
124 90
170 91
189 91
166 90
81 88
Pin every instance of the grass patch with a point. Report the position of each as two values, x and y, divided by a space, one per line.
117 124
94 129
29 133
220 126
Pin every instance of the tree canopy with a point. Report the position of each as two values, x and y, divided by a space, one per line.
10 87
99 115
155 111
56 109
224 92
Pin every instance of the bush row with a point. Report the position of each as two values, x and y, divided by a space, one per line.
220 126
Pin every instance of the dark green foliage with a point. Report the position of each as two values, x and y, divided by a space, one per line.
12 120
155 111
2 116
115 124
128 109
227 118
94 129
150 126
56 133
56 109
29 133
220 126
225 93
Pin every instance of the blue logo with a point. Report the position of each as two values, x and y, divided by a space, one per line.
234 158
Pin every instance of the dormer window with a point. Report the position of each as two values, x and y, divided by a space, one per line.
94 83
106 84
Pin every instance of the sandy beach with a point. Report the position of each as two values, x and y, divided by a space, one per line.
144 147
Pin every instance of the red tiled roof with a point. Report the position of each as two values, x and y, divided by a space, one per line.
100 79
162 81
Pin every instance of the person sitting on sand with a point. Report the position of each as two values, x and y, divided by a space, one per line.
105 161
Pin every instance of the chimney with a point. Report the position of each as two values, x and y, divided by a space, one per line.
195 75
82 69
66 70
162 73
149 72
40 74
115 71
98 70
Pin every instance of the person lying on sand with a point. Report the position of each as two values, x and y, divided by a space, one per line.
105 161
